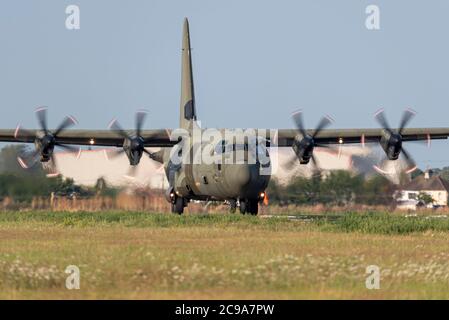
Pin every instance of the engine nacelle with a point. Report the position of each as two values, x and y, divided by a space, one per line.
45 144
391 143
134 149
303 148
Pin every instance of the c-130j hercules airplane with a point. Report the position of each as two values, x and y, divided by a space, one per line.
238 183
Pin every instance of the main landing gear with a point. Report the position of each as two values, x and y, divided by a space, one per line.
178 205
249 206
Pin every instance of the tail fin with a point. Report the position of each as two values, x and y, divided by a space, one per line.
187 107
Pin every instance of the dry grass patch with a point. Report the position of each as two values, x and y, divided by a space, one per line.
139 255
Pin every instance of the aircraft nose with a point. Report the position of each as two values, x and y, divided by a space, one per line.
243 175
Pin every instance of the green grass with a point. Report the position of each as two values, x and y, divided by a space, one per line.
384 223
141 219
371 222
143 255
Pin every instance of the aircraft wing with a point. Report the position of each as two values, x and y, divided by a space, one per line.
344 136
285 137
153 138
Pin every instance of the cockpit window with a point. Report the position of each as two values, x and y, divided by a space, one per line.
220 147
251 152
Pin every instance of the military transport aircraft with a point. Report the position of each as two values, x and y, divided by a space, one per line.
240 184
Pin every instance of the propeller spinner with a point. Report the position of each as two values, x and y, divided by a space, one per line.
133 144
392 140
304 143
44 139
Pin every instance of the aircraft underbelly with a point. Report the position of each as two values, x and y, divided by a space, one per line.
229 181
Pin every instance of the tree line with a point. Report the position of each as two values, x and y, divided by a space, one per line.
23 185
336 188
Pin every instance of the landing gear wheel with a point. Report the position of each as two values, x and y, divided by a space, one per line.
249 206
178 206
253 207
232 206
243 206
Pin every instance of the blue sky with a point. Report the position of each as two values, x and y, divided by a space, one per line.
254 62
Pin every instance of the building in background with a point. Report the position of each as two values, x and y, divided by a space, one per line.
426 190
91 165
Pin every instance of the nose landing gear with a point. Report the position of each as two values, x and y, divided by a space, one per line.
232 205
249 206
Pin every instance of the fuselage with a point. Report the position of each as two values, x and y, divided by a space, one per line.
238 172
240 181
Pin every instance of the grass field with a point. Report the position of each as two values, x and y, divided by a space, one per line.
163 256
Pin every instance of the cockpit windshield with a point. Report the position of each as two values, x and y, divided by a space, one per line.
249 152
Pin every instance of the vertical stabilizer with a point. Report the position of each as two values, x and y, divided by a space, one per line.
187 107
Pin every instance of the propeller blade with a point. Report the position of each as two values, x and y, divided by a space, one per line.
132 171
157 156
298 120
406 117
337 149
149 138
380 169
411 164
380 117
23 134
325 146
140 119
54 165
290 163
41 114
152 135
29 160
68 122
67 147
71 149
427 142
324 123
111 154
115 126
316 166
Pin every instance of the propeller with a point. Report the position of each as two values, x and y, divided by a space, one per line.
133 144
392 140
304 143
45 140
